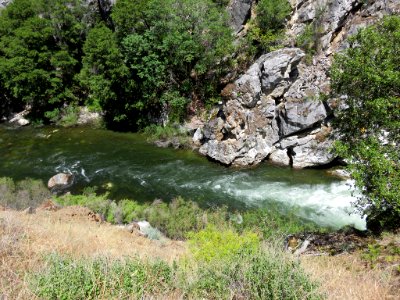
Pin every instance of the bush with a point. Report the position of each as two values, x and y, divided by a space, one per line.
177 218
156 132
224 269
272 223
272 14
212 244
310 39
248 272
181 216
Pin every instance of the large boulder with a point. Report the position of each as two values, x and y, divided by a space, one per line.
60 181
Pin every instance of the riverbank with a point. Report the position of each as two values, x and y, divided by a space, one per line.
32 245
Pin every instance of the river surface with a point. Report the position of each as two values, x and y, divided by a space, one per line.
137 170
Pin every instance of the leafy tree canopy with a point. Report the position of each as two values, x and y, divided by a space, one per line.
367 77
40 52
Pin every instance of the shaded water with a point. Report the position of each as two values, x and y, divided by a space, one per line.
140 171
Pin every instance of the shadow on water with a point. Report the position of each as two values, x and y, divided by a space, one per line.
128 167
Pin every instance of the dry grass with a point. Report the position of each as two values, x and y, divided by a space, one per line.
14 261
346 277
26 239
72 231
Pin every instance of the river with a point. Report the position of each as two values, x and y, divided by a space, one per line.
134 169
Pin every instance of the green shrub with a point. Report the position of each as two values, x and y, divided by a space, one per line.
212 244
267 30
310 39
272 14
70 116
7 191
175 219
181 216
272 223
256 274
231 266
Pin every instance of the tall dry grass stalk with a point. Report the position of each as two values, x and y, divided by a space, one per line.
14 260
345 277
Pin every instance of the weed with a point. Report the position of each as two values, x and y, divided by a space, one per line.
212 244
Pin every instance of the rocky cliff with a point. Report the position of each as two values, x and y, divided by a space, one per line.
275 110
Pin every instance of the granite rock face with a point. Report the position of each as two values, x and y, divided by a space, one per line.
239 11
274 110
257 116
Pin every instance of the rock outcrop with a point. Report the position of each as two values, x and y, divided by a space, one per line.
264 116
274 111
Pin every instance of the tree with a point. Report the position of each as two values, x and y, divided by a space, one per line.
105 76
367 77
174 49
40 53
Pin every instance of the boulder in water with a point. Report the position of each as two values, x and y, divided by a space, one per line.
19 118
61 180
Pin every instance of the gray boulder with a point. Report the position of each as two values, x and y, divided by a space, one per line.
310 150
280 157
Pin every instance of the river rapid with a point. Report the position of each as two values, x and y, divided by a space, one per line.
131 168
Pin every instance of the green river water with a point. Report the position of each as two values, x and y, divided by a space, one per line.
140 171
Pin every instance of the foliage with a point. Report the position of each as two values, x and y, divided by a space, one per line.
272 14
180 217
259 274
212 244
169 132
368 77
174 49
223 269
105 76
271 223
149 58
41 52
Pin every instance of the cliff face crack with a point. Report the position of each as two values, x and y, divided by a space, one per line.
290 153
